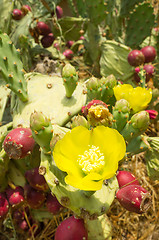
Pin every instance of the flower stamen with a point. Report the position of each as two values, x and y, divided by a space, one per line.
92 160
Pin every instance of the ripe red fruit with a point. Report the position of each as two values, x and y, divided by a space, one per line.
23 225
71 229
69 43
17 14
134 198
136 58
53 204
149 53
19 143
15 196
68 53
34 198
150 70
4 205
25 9
126 178
59 12
36 180
43 28
47 40
57 46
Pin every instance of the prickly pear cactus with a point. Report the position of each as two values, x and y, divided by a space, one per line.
114 60
47 95
11 67
78 201
138 28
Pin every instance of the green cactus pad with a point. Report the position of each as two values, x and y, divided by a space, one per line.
139 27
89 207
152 164
152 157
92 9
114 60
4 162
99 228
46 94
127 6
11 67
4 94
136 145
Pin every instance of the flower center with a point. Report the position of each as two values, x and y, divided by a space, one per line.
98 111
92 160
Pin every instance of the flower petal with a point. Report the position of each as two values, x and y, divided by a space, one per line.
123 91
67 149
91 182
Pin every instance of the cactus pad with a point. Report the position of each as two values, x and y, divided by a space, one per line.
88 207
138 28
114 60
46 94
11 67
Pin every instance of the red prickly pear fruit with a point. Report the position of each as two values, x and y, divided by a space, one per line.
47 40
25 9
68 53
82 38
134 198
17 14
23 225
57 46
19 143
34 198
4 205
59 12
71 229
126 178
43 28
149 53
150 70
15 196
53 204
136 58
36 180
69 43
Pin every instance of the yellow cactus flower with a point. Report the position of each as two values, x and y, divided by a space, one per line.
138 97
89 156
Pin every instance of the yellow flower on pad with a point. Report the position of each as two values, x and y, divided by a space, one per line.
89 156
138 97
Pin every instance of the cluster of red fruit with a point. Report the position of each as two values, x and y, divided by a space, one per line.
35 194
18 14
142 59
